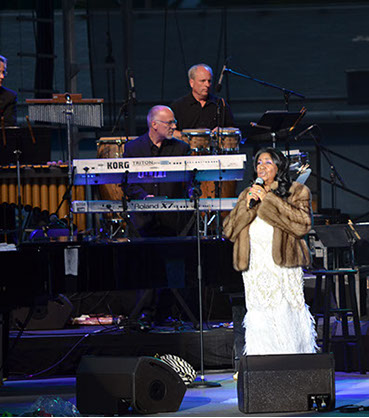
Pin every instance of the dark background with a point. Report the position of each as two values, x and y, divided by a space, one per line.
317 50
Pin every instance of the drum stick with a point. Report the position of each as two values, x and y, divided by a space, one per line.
302 113
3 130
351 225
254 124
30 130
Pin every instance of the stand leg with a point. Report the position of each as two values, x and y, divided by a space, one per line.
202 383
356 320
185 307
19 200
2 359
327 306
70 176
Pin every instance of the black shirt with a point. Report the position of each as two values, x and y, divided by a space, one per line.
144 147
165 223
8 106
190 114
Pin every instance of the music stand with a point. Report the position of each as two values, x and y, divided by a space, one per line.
346 236
273 125
35 147
16 140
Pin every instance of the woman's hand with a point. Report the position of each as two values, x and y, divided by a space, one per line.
256 192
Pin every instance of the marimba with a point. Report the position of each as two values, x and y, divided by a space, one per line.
42 187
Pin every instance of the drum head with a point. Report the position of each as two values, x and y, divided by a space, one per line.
198 139
229 140
196 132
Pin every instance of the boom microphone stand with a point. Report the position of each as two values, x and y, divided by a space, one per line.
196 193
286 92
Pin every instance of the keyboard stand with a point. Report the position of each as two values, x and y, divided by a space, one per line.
147 294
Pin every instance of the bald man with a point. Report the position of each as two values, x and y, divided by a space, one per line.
158 141
198 109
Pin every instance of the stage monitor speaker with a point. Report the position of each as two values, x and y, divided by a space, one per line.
53 315
286 383
114 385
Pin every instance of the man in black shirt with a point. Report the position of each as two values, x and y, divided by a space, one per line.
157 142
200 108
8 98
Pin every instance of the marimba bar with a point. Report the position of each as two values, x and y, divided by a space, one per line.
42 187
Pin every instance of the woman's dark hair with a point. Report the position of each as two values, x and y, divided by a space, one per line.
283 173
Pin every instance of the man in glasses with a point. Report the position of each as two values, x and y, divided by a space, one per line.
8 98
157 142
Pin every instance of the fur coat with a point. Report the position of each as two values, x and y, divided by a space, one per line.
290 218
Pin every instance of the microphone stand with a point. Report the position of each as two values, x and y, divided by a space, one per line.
131 100
125 214
334 175
122 111
17 153
202 383
218 184
69 114
286 92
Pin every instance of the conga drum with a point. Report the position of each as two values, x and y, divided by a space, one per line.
111 148
229 140
229 143
199 140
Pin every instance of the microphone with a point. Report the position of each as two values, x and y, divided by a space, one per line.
53 218
131 84
305 131
68 98
253 202
224 69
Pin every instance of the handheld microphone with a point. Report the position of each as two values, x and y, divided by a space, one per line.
253 202
224 69
305 131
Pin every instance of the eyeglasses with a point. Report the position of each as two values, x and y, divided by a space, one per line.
171 122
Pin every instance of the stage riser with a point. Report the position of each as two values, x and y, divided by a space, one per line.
34 353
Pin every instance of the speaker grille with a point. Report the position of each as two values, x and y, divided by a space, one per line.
282 388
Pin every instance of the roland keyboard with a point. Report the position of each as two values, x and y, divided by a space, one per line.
159 169
152 205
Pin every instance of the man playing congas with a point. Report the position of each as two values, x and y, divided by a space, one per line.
198 122
198 109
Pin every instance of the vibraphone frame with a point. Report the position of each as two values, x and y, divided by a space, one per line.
42 187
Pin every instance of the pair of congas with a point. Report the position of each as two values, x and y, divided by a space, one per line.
206 142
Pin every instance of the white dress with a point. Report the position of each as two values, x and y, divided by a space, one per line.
277 320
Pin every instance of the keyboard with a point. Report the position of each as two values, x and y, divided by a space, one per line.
159 169
152 205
